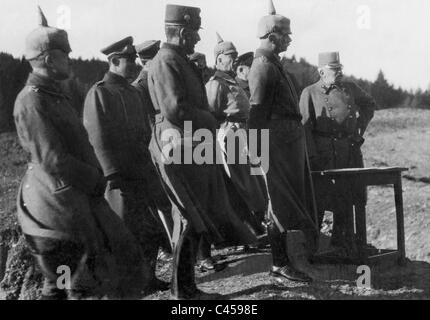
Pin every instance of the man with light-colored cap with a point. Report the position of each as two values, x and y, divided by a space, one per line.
336 114
197 190
61 209
242 67
118 130
275 106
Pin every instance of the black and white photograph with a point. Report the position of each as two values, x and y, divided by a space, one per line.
236 151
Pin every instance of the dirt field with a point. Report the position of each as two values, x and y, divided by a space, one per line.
398 137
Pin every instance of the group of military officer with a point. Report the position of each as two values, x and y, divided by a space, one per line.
99 197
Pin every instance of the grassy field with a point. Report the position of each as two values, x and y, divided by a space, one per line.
398 137
401 138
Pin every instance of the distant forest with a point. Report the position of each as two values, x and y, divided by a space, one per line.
14 73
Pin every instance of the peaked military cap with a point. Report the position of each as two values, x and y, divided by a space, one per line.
330 60
148 49
223 47
178 15
273 23
121 48
245 59
45 38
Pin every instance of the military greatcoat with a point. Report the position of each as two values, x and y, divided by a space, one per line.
229 104
275 106
198 190
58 197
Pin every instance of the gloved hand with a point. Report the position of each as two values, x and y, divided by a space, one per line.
356 140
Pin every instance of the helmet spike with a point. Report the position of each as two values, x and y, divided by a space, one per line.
42 19
219 38
272 10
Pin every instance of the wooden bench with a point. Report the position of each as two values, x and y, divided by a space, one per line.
369 177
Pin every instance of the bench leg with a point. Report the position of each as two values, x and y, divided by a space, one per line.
398 197
360 222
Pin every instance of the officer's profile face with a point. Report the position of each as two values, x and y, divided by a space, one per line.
125 66
281 41
331 75
59 64
285 41
147 64
190 37
243 72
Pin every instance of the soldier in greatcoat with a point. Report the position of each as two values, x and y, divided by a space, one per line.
157 198
336 114
61 209
117 125
229 104
146 52
275 106
197 190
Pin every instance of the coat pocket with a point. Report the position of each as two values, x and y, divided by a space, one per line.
54 184
62 189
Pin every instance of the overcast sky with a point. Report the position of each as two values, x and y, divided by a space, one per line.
392 35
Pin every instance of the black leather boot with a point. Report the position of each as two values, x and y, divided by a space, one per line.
282 269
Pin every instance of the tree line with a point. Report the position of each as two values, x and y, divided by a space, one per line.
14 73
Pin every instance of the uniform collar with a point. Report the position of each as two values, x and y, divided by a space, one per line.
326 89
261 52
43 82
113 78
225 76
143 75
242 83
178 49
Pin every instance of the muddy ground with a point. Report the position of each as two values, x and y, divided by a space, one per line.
398 137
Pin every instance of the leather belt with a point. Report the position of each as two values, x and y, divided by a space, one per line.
296 117
334 135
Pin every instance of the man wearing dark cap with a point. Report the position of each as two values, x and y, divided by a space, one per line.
242 68
146 52
197 191
118 129
152 186
275 106
61 209
336 114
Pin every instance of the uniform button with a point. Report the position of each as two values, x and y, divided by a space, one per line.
326 100
27 186
30 167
